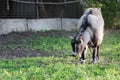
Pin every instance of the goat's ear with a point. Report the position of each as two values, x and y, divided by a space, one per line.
81 41
70 37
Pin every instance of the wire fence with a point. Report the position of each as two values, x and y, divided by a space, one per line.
40 9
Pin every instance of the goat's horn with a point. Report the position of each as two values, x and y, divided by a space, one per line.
70 37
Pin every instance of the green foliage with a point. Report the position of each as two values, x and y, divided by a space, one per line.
53 68
49 44
110 11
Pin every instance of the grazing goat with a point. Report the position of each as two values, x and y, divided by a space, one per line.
90 34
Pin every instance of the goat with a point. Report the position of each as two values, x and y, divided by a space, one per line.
90 33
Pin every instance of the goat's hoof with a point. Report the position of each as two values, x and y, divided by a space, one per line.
94 61
82 61
73 55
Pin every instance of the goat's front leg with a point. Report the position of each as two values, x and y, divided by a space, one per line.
82 59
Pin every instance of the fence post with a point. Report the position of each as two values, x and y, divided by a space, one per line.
8 7
37 9
61 15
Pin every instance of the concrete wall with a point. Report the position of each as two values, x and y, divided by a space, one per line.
9 25
20 25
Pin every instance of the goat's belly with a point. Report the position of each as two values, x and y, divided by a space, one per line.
92 43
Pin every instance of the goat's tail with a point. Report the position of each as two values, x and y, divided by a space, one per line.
83 23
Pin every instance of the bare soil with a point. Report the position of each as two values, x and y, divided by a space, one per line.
16 37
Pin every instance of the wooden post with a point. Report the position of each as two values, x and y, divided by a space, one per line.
62 13
43 10
8 7
37 9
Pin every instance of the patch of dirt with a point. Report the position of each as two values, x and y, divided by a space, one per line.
16 37
18 53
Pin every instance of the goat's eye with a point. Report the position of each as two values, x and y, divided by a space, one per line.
77 42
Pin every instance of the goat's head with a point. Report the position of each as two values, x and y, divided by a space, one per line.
76 46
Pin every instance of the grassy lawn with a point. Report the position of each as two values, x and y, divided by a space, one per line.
61 66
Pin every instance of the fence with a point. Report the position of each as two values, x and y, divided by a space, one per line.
35 9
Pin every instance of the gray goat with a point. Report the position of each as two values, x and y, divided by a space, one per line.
90 34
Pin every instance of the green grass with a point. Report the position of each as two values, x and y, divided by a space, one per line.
50 44
63 67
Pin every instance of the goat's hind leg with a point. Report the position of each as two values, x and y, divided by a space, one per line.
95 55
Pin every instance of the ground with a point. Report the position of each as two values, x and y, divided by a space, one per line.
45 56
9 42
